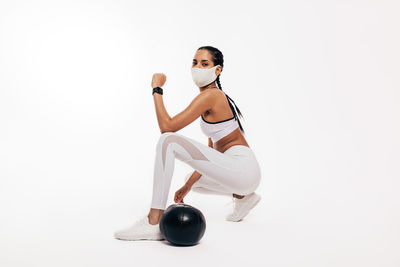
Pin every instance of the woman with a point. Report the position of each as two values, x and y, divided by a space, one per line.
227 166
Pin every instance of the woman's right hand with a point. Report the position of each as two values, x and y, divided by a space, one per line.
181 193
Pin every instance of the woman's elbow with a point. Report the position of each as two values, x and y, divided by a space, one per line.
166 127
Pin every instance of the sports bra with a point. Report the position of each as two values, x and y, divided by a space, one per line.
219 129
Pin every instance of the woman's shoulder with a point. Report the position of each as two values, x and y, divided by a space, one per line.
219 94
216 95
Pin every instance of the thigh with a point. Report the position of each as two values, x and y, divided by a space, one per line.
229 170
187 149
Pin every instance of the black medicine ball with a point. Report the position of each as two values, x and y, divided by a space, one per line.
182 224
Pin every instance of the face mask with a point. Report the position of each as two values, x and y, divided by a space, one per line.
202 77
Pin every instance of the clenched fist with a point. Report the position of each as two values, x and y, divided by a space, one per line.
158 80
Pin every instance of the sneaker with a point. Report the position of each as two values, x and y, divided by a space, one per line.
243 206
140 230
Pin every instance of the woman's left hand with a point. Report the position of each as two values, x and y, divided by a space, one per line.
158 80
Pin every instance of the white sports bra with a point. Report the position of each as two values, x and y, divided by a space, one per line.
219 129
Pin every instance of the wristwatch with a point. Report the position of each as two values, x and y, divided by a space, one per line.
158 90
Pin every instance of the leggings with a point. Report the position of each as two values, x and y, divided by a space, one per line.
236 170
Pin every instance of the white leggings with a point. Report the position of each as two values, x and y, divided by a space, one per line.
234 171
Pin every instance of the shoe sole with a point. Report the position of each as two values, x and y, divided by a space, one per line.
131 238
239 218
137 239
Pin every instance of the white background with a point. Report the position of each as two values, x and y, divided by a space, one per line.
317 83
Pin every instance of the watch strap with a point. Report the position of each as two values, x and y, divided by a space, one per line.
158 90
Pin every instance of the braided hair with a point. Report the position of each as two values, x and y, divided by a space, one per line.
218 59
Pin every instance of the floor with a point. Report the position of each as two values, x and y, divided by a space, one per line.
78 231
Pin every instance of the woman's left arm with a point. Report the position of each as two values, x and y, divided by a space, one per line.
199 105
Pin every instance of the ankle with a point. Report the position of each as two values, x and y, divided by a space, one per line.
155 215
153 221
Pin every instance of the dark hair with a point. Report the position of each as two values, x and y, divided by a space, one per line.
218 59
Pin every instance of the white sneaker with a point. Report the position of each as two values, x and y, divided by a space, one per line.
140 230
243 206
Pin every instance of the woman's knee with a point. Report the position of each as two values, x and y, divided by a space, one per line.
162 138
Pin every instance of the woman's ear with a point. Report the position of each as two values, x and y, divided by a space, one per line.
218 70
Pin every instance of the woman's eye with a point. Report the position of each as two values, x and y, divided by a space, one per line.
205 65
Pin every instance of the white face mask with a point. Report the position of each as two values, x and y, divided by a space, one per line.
202 77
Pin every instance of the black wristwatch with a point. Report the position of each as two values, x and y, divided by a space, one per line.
158 90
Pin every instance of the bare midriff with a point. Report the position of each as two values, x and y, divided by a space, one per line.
234 138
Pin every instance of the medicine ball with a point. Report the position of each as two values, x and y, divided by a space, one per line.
182 224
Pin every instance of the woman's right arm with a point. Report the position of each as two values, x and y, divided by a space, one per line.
196 175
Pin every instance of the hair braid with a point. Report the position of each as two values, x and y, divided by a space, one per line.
230 105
